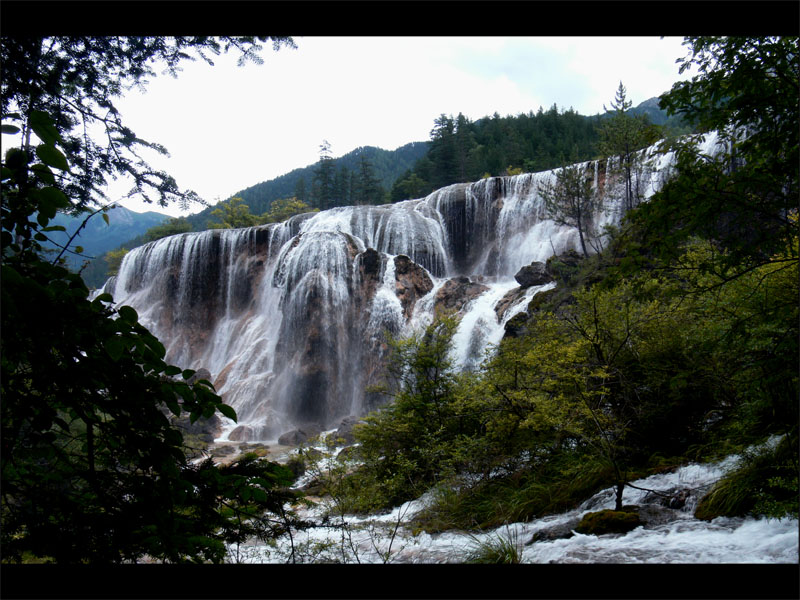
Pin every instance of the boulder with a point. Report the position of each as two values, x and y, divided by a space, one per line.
411 282
533 274
653 515
508 300
675 497
345 430
555 532
298 436
240 434
609 521
456 293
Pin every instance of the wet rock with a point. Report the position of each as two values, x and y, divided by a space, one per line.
653 515
223 451
411 283
555 532
510 299
675 497
456 293
533 274
609 521
540 298
345 430
298 436
369 268
240 434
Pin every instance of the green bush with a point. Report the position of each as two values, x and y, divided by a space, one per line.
498 550
766 484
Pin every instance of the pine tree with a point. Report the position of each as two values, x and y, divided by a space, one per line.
622 135
571 200
324 178
367 188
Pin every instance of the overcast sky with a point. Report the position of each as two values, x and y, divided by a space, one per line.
229 127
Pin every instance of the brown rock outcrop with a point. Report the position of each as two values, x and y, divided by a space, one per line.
455 294
412 282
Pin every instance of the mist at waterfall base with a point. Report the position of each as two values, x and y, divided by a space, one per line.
291 318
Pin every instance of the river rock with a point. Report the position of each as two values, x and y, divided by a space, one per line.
555 532
675 497
533 274
609 521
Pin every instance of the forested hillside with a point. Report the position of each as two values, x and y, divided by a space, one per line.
376 167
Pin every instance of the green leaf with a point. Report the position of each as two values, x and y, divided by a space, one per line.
43 173
52 198
172 370
227 411
10 129
128 314
114 347
105 297
187 374
105 218
55 228
44 128
52 157
174 407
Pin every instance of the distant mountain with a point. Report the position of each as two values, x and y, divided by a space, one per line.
658 116
97 237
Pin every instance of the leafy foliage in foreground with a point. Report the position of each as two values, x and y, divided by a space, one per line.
93 470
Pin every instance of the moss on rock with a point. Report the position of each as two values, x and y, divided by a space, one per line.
609 521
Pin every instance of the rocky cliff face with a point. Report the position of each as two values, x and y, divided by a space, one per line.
290 319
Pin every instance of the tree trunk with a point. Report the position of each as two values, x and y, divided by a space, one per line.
618 499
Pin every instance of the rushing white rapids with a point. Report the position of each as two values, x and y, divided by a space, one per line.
680 538
289 318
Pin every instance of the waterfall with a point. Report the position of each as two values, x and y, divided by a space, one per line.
289 318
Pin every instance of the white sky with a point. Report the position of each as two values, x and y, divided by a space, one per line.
229 127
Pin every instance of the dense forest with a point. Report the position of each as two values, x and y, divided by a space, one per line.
677 342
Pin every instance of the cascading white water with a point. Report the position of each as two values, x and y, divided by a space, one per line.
289 318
